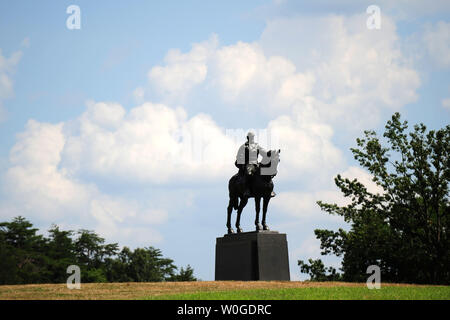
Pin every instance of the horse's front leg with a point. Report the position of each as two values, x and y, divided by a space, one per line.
242 204
265 205
257 208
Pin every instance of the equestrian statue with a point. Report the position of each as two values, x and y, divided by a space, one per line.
253 180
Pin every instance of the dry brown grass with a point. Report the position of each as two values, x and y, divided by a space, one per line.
136 290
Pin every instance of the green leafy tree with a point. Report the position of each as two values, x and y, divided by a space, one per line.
118 269
184 275
26 257
92 254
8 264
147 264
60 252
24 250
318 272
403 229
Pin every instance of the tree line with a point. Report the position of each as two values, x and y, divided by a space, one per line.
27 257
405 228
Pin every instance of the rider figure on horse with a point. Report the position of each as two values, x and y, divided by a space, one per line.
247 161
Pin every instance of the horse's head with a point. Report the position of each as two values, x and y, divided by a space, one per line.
270 162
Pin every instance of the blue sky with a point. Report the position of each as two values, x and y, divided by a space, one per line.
100 127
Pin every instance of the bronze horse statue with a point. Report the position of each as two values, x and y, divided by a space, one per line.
261 186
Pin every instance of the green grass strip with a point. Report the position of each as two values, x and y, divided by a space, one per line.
322 293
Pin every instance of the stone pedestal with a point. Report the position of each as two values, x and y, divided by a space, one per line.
258 255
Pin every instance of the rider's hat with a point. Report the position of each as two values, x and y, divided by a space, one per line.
250 134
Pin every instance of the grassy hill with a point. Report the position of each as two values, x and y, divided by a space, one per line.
226 290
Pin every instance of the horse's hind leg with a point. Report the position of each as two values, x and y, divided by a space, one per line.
257 208
229 211
265 205
242 204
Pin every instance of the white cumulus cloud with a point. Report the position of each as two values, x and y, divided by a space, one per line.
151 143
358 72
182 71
349 72
38 186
